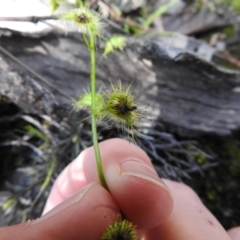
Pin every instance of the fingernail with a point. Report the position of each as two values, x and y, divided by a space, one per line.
70 201
138 169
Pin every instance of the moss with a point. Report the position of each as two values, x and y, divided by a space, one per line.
197 157
219 188
229 31
234 151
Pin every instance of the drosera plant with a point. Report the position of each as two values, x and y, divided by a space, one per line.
89 24
114 104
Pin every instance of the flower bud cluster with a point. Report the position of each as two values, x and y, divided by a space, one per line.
117 104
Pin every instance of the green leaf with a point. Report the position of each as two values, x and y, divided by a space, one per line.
35 132
9 203
159 12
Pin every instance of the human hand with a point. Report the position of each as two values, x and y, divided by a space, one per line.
78 207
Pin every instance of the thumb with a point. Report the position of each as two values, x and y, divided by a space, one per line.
141 195
131 179
85 215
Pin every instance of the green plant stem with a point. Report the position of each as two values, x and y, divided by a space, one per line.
93 106
159 12
86 40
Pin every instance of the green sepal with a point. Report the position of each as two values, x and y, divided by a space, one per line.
115 42
54 4
35 132
86 101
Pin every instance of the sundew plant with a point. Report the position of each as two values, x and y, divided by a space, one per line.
115 103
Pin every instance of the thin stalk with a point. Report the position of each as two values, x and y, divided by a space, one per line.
86 40
79 3
49 175
159 12
93 106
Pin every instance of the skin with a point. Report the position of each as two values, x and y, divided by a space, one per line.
78 207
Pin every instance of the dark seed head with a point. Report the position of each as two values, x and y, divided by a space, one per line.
133 108
82 18
124 108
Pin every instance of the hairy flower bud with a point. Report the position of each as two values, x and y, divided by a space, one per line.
120 230
121 106
86 19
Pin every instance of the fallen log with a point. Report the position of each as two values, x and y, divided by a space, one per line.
188 94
